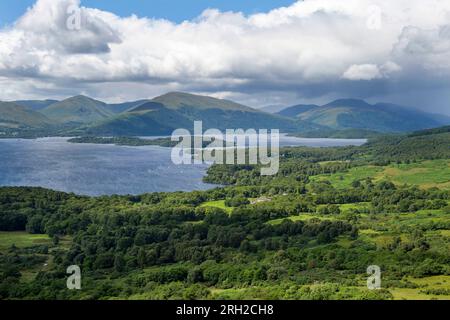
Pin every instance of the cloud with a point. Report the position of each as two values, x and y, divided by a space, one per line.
370 71
311 49
362 72
66 28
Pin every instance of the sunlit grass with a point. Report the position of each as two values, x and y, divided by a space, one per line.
426 174
22 240
301 217
217 204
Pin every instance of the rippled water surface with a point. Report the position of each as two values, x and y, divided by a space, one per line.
107 169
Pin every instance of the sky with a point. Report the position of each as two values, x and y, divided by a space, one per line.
174 10
257 52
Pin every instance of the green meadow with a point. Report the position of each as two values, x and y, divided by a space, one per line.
425 174
217 204
22 240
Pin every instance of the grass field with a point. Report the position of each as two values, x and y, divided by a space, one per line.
434 282
217 204
361 206
22 240
345 179
426 174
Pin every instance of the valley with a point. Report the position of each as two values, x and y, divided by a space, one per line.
308 233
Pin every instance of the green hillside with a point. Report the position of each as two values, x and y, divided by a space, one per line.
13 115
142 121
79 109
358 114
166 113
125 106
427 132
180 100
35 104
297 110
345 118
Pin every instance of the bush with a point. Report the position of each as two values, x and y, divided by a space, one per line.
236 202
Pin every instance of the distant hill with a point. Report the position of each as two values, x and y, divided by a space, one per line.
297 110
147 119
13 115
273 108
340 134
344 118
445 129
424 144
79 109
35 104
357 114
122 107
182 100
175 110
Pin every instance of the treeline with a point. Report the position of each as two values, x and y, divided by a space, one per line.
131 141
412 148
125 141
302 162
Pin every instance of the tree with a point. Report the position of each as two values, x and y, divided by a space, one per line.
119 263
237 201
142 258
55 240
195 275
35 225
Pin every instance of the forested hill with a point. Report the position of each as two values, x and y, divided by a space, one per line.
309 232
433 144
430 131
345 114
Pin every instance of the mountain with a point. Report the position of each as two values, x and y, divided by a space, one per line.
221 114
149 118
296 110
13 115
35 104
273 108
79 109
358 114
122 107
182 100
415 115
164 114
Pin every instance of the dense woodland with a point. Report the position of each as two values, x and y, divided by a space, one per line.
296 235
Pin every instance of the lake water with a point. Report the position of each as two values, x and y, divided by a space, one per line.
95 170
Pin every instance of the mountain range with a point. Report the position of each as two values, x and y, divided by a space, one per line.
81 115
171 111
346 114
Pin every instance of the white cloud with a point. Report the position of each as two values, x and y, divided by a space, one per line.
362 72
390 67
304 49
367 72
